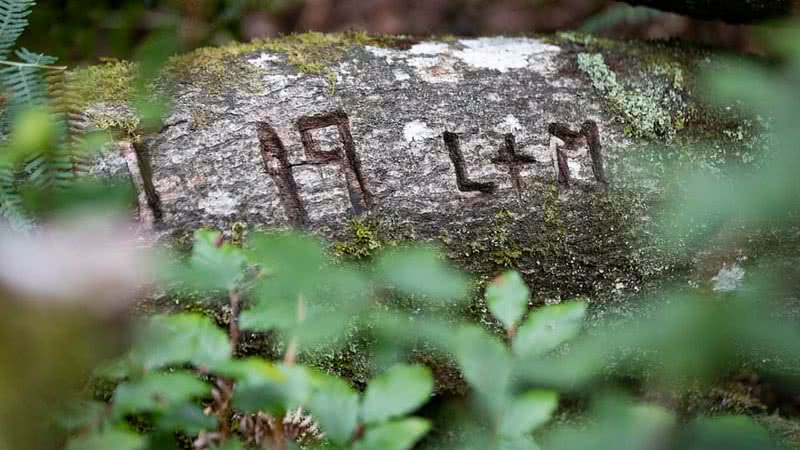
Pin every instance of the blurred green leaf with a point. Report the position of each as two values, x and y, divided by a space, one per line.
548 327
251 370
728 433
179 339
396 435
267 315
507 297
486 365
517 443
316 313
109 439
83 195
615 424
158 391
80 413
33 131
334 404
261 389
213 265
151 55
186 418
420 271
291 265
398 391
286 254
231 444
527 412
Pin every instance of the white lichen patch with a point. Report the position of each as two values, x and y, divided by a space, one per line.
264 60
510 124
381 52
218 203
728 279
429 48
418 131
503 54
400 75
435 69
435 62
576 170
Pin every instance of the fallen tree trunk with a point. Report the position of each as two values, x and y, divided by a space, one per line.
506 151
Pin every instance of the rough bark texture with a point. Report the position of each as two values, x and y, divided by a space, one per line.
508 152
735 11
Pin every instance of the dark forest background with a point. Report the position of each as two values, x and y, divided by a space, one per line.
82 32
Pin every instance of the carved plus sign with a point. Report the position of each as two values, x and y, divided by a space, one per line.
507 155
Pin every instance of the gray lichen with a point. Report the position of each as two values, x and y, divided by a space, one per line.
640 111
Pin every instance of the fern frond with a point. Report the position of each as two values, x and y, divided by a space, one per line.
52 168
11 209
66 107
25 85
13 21
618 15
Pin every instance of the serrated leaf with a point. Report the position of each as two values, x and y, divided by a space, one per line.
109 439
548 327
396 435
398 391
334 404
180 339
507 297
527 412
157 391
420 271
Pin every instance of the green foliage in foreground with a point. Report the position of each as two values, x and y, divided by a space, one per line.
184 375
292 288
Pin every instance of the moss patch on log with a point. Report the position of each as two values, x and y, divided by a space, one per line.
209 68
110 82
310 53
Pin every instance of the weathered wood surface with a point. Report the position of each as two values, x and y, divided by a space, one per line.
499 148
433 133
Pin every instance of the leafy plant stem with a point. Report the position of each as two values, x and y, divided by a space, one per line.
290 358
34 66
234 299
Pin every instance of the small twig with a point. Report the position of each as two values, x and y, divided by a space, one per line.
234 299
512 331
290 358
35 66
